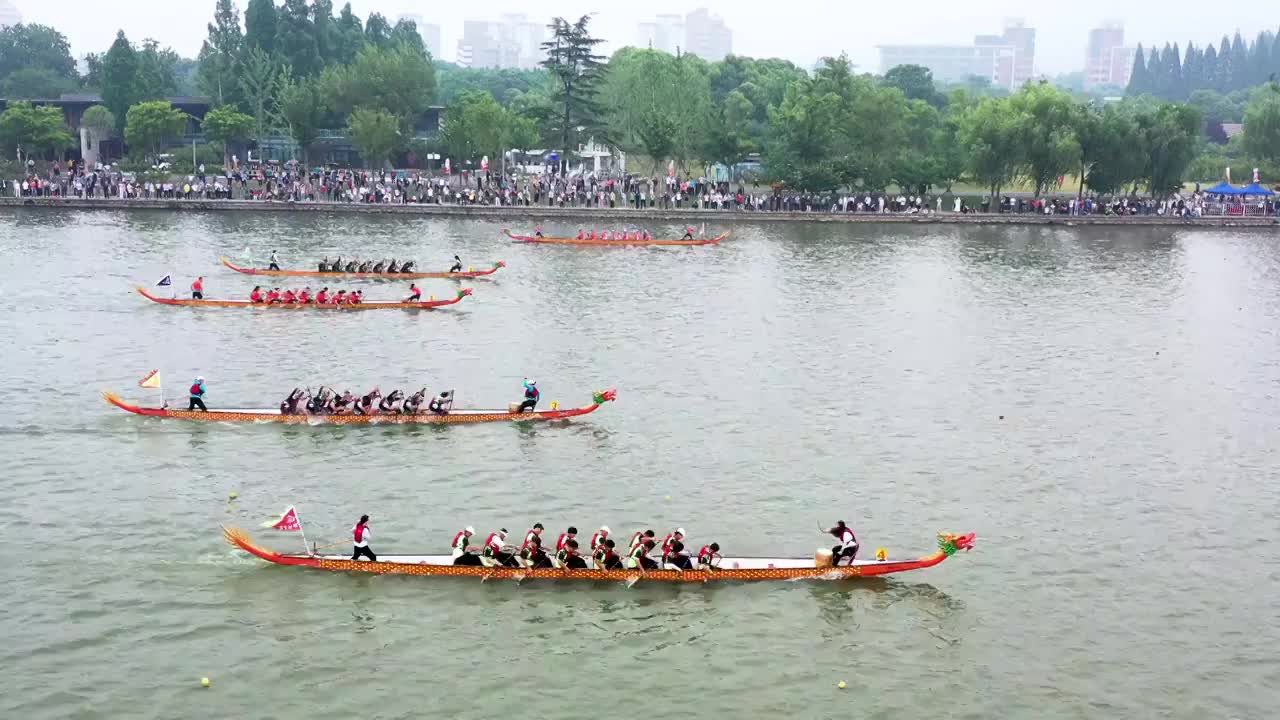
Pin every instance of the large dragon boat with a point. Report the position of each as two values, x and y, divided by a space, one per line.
597 241
339 307
453 417
367 275
731 569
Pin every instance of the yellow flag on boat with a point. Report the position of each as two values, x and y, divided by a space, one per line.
288 521
152 380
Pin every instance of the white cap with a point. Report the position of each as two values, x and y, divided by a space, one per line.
199 378
604 529
470 530
680 531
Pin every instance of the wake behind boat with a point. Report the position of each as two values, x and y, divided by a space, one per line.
356 274
429 304
710 567
621 238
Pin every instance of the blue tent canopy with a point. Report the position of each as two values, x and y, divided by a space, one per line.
1224 188
1255 189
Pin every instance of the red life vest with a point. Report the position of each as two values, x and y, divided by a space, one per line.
706 554
598 539
256 296
195 389
322 297
562 541
417 294
458 538
636 539
197 286
493 543
358 532
666 543
304 297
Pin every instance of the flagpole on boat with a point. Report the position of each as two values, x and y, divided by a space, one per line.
306 550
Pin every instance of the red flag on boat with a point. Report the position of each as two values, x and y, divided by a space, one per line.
287 522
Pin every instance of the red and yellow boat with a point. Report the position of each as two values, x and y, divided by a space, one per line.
575 241
454 417
367 305
731 569
367 275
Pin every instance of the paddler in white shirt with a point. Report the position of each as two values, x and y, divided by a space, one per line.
462 554
493 554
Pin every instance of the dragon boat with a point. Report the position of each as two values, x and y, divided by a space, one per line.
731 569
366 305
575 241
453 417
367 275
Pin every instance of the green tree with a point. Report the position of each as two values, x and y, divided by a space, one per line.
406 33
348 37
260 21
803 137
651 94
34 130
576 69
992 133
1046 128
220 55
36 83
227 125
376 133
296 38
474 127
398 80
152 125
377 31
1169 136
120 65
1111 148
728 139
260 79
1262 124
915 82
302 112
35 47
156 71
325 30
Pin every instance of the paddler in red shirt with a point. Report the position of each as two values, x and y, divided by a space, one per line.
415 293
709 557
340 298
599 537
273 296
304 297
354 297
322 297
565 537
361 535
671 539
256 295
197 289
289 298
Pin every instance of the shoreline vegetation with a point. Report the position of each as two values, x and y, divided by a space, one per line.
595 216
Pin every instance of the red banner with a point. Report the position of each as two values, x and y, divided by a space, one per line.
288 522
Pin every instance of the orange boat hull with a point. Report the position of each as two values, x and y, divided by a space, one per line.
241 539
455 417
366 276
574 241
424 305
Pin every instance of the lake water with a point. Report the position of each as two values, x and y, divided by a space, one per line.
1098 405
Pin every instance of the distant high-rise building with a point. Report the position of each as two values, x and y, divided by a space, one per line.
1107 62
1023 41
512 42
1007 60
9 14
430 33
664 32
706 35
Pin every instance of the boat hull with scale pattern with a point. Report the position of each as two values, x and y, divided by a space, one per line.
614 243
453 417
285 307
367 275
731 569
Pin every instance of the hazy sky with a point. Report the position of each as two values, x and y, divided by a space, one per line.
801 32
